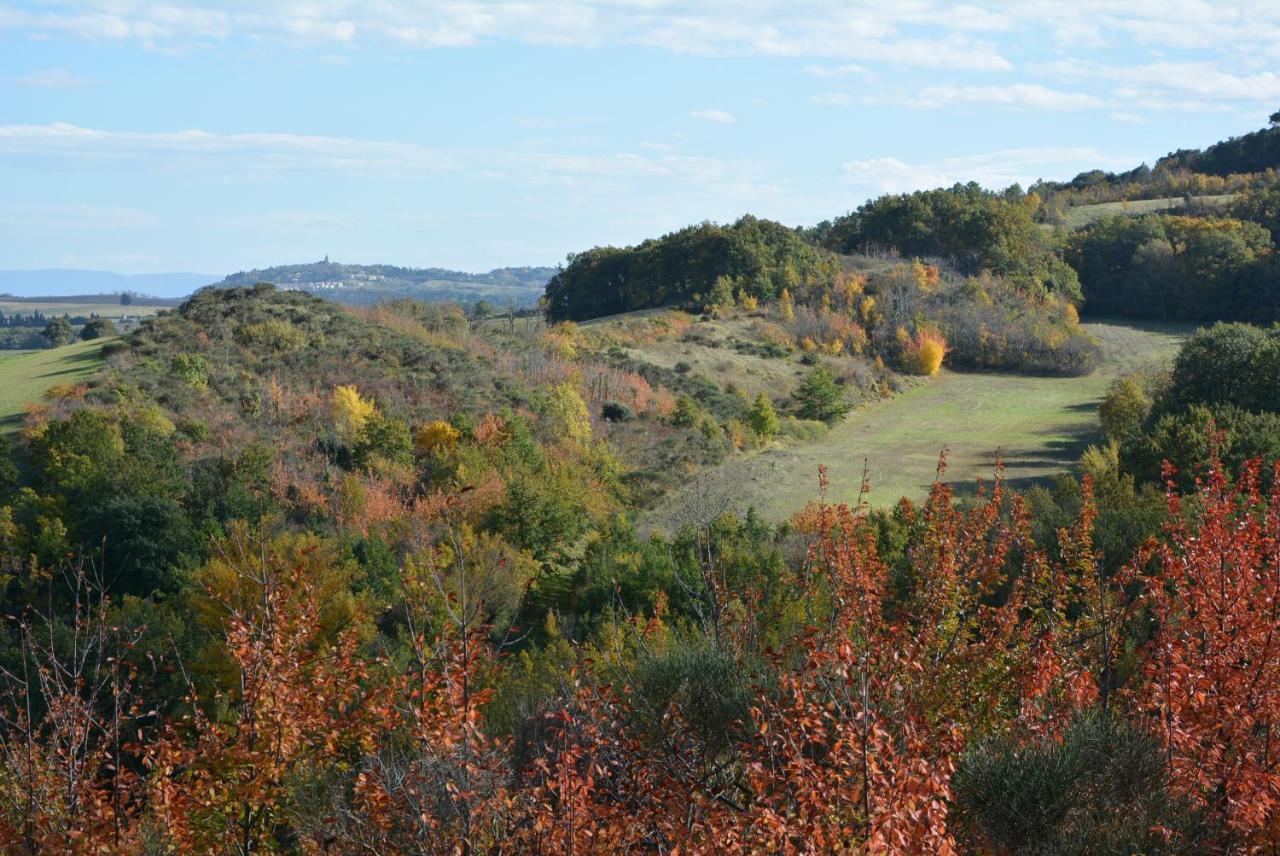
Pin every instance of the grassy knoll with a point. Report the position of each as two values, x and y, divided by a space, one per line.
1036 425
1082 215
24 377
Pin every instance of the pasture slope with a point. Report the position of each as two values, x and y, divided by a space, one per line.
1036 425
1079 216
26 376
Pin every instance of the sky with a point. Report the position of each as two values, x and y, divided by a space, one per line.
193 135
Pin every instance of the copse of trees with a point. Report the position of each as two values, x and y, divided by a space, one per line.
97 328
981 322
1262 206
1237 166
1177 267
971 228
1236 364
58 332
1220 402
754 257
1256 151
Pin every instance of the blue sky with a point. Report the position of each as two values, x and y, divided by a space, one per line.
213 137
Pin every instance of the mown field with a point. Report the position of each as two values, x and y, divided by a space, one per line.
1082 215
25 376
76 309
1036 425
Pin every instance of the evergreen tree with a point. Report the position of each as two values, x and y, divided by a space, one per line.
764 421
820 397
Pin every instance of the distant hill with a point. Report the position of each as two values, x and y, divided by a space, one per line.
753 257
59 283
344 283
368 284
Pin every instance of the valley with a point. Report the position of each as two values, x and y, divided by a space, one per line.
1037 426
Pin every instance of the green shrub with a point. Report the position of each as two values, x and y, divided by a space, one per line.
1103 788
98 328
274 335
820 397
686 413
614 411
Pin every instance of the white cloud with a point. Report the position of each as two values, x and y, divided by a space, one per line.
1023 95
1166 80
61 217
846 70
53 78
869 31
266 151
236 157
714 114
918 33
832 99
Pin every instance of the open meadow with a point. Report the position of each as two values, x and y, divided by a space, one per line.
26 376
1036 425
77 308
1080 216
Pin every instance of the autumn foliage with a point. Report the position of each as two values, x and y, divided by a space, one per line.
297 735
922 354
1212 678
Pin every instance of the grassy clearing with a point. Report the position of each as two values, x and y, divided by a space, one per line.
1036 425
1082 215
714 357
25 377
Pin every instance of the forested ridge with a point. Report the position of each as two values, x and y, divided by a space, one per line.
287 576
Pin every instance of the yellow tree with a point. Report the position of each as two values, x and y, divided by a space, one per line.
786 305
351 412
567 414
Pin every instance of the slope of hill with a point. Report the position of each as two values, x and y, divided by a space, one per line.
369 284
1036 426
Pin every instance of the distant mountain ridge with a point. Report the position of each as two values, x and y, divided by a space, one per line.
365 284
58 282
344 283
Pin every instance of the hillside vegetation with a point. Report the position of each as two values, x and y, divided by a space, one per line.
280 575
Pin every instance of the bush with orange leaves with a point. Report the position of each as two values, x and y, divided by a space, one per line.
923 353
1212 689
856 751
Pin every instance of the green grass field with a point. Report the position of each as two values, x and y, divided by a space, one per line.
1082 215
1036 425
55 307
25 377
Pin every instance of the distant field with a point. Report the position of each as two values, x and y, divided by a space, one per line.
26 376
1036 425
56 307
1083 215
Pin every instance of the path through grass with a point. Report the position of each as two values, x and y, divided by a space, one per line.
1036 425
26 376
